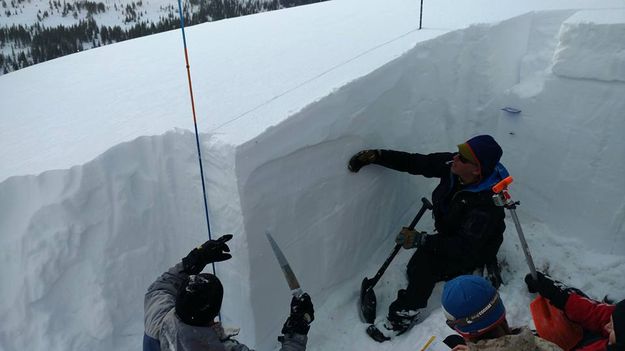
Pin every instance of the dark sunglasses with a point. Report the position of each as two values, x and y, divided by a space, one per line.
463 159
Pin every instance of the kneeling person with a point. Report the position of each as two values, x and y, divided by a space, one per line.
469 225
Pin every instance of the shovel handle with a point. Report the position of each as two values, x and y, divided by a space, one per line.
427 205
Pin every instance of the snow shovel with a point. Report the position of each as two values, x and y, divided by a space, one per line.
551 323
368 302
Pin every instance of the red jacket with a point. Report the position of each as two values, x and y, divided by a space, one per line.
592 316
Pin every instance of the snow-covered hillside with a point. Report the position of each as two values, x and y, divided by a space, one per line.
35 31
109 13
119 199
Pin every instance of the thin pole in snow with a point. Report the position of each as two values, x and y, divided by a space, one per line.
197 138
421 15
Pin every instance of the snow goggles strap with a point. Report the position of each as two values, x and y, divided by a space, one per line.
461 323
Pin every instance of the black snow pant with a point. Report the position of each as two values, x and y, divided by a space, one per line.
424 271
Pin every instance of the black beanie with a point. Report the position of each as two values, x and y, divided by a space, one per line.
618 318
199 299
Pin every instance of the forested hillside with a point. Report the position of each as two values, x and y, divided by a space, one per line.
33 31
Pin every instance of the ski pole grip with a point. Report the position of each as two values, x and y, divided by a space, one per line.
499 187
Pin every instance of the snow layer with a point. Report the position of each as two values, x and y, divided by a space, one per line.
81 245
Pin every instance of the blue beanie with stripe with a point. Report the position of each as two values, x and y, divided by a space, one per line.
472 305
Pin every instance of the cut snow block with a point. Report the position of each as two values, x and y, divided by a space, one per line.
591 46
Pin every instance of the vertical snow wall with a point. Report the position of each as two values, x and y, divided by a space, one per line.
564 149
81 246
106 229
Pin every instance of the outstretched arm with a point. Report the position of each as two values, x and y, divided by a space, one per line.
590 314
432 165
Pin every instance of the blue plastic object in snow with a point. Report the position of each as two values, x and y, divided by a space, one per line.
511 109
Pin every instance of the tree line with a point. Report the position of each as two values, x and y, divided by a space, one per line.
23 46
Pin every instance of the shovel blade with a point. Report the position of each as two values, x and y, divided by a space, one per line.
551 324
368 302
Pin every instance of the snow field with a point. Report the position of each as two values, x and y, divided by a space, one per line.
83 243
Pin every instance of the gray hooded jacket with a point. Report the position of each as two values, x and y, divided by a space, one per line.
164 331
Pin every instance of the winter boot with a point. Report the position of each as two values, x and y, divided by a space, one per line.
401 315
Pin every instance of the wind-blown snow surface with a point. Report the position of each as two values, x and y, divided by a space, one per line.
81 245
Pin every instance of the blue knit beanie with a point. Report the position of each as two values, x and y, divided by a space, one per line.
472 305
485 150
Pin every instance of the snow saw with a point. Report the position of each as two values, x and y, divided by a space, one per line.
368 301
291 280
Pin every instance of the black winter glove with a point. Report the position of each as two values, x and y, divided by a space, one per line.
362 159
302 314
454 340
554 291
209 252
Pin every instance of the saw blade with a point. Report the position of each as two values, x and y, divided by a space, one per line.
284 265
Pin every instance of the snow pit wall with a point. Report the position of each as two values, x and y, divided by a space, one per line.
83 244
564 150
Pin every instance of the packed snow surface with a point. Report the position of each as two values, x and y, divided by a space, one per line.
100 189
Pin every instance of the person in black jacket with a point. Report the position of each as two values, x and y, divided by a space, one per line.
469 225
